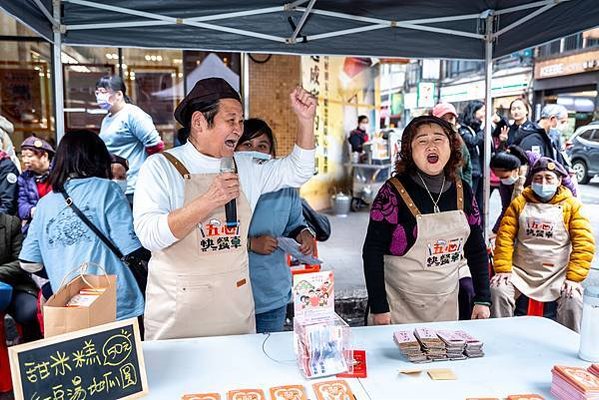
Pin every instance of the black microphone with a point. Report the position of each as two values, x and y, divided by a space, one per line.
228 165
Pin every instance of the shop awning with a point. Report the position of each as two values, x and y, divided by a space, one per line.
383 28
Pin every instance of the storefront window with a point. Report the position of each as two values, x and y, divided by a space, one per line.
25 81
154 80
82 67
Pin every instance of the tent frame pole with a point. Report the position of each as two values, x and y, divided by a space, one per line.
301 23
57 75
245 85
489 38
46 13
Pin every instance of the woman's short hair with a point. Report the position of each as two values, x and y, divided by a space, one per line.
80 154
362 118
114 83
510 159
405 162
254 127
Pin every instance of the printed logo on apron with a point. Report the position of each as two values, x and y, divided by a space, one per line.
216 236
444 252
539 228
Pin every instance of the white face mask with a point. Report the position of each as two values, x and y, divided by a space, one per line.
363 127
122 184
510 180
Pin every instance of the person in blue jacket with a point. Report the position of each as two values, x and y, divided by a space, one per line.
277 214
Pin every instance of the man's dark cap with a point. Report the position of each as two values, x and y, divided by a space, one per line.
205 91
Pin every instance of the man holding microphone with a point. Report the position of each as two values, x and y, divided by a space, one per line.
198 283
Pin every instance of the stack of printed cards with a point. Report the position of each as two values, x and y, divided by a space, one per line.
433 346
409 346
455 345
574 383
474 347
425 345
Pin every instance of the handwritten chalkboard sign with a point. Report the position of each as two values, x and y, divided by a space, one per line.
100 363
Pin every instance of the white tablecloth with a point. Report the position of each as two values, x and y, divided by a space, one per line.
520 353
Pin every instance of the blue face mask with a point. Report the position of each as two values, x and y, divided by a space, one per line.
103 102
544 192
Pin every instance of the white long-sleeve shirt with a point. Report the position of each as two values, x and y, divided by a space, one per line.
160 187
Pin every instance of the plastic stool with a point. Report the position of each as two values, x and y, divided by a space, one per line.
5 380
528 306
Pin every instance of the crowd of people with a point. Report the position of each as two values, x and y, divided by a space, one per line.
118 199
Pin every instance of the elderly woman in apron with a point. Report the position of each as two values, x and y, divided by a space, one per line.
544 247
423 221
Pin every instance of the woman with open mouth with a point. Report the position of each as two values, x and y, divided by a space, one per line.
422 222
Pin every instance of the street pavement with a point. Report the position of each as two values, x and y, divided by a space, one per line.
342 253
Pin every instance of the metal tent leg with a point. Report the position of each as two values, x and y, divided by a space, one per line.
57 75
488 114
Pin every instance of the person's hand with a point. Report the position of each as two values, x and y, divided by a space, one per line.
32 212
382 319
263 244
307 242
569 287
303 104
224 188
502 277
480 311
503 134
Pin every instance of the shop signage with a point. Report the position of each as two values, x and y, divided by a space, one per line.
512 85
100 363
570 65
426 94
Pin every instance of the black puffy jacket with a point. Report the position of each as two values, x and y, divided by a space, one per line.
534 138
11 240
475 142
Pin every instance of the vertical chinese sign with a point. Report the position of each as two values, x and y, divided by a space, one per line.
345 88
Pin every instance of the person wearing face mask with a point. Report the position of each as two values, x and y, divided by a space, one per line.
544 247
33 182
358 136
538 137
126 130
119 167
276 214
198 276
422 222
512 168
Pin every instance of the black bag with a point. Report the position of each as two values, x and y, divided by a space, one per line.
136 261
318 222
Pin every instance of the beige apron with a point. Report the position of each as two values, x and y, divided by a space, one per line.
422 285
200 286
541 252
